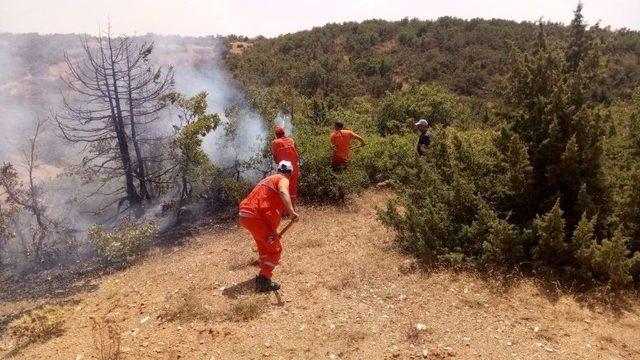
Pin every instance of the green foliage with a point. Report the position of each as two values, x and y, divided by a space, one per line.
122 246
437 215
386 158
399 110
611 259
192 163
500 240
583 242
550 233
534 190
318 182
352 60
553 101
227 191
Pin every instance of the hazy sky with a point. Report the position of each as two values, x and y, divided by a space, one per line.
271 18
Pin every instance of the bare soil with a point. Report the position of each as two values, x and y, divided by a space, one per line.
347 293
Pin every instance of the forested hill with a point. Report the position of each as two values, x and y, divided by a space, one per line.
338 62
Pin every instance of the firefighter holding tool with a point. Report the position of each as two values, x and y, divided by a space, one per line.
260 214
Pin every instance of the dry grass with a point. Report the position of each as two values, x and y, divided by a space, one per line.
311 242
344 282
359 285
185 306
248 308
38 325
106 338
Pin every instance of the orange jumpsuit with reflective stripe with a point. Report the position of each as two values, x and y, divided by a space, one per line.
260 214
284 148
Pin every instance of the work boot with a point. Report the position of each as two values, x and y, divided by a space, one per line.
264 285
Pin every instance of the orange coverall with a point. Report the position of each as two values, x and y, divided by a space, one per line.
341 140
260 214
284 148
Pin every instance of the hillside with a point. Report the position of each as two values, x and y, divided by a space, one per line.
348 293
339 62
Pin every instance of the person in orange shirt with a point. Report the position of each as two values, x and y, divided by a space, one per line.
260 213
341 141
284 148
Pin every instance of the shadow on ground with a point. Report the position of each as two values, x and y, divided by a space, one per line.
552 287
248 287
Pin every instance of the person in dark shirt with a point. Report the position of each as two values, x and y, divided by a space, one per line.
424 141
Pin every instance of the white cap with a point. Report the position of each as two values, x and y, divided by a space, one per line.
422 122
285 166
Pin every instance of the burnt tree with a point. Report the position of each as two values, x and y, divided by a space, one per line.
45 234
114 95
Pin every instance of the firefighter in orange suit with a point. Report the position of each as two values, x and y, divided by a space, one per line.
283 148
341 142
260 214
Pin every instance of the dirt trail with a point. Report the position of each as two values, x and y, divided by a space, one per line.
347 293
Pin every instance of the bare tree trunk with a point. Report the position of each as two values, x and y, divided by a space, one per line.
117 92
132 195
142 177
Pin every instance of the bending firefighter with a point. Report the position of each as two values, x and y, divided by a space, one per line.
260 214
283 148
341 141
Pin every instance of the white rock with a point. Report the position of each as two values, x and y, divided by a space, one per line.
421 327
144 319
536 328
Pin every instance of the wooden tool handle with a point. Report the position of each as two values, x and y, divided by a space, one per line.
285 228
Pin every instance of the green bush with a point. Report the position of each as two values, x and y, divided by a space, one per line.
224 191
385 158
400 109
319 183
123 245
456 206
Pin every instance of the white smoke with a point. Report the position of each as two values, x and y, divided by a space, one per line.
198 67
30 88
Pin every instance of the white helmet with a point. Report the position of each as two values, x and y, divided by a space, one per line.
285 166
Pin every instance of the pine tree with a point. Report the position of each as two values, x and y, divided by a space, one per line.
550 235
583 242
578 41
611 259
550 101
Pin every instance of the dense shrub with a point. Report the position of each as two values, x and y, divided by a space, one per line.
229 192
452 208
319 183
437 215
400 109
123 245
386 158
536 190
